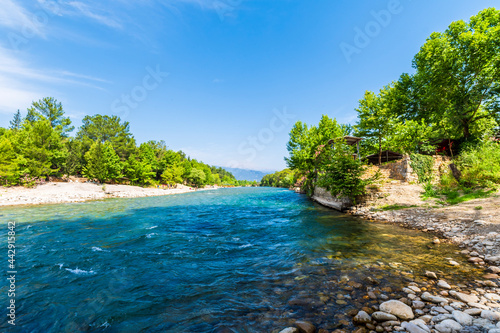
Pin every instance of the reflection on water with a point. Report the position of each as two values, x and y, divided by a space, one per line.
249 259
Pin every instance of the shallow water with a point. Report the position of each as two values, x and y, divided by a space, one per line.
251 259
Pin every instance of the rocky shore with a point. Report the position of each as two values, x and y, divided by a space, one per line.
66 192
431 303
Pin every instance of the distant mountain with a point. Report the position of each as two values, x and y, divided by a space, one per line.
244 174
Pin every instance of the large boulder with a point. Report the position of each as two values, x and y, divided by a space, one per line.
397 308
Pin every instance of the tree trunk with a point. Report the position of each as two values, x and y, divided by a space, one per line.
454 170
379 150
466 130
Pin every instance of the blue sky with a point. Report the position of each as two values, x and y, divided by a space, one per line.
223 80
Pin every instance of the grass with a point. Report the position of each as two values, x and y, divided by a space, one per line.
455 195
394 207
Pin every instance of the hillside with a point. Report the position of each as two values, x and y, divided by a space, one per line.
245 174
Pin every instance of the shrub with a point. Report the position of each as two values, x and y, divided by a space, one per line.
341 172
480 164
422 165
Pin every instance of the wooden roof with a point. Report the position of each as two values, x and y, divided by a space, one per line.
350 140
387 155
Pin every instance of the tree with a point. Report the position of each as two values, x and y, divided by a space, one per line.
53 111
42 148
10 170
16 122
376 120
341 172
103 163
458 71
197 177
108 129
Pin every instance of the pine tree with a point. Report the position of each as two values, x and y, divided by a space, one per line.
15 123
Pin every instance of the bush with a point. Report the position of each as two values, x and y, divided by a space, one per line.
480 164
342 173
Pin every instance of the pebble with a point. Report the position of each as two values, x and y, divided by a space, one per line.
431 275
443 284
490 315
397 308
462 318
448 326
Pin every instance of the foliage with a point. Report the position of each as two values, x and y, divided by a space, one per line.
341 173
52 110
103 163
16 122
376 121
422 165
305 145
480 165
460 69
285 178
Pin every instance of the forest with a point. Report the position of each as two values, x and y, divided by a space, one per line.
450 105
38 146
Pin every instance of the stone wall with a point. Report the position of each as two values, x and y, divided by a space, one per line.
401 170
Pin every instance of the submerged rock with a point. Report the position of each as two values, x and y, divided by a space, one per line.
305 326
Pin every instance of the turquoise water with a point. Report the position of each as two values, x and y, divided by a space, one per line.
249 259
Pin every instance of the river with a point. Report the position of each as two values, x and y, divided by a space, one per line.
246 259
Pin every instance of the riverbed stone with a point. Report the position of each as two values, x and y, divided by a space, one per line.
492 297
397 308
490 315
418 304
431 275
443 284
473 311
290 330
362 318
426 296
439 318
466 298
448 326
305 326
413 328
462 318
382 316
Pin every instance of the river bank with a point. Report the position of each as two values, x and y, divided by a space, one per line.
432 303
58 192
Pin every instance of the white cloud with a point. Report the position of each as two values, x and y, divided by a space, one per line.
20 83
15 17
86 10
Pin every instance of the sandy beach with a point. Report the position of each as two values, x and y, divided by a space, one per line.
55 192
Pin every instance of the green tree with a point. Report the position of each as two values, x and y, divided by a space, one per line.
10 169
341 173
376 119
197 177
16 122
42 148
108 129
53 111
458 72
103 164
